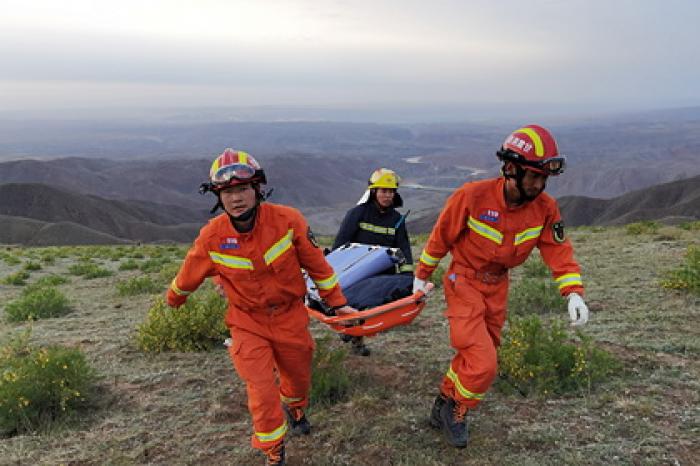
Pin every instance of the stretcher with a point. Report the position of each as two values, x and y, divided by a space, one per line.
378 319
355 262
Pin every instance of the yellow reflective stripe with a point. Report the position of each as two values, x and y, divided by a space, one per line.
243 157
406 268
429 260
289 400
460 388
232 262
485 230
536 140
177 290
568 280
274 435
328 283
377 229
526 235
279 247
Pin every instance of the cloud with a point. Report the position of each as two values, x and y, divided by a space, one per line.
306 52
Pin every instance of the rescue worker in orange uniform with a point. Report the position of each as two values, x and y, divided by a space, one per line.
255 251
491 226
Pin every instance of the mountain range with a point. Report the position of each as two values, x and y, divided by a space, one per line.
38 214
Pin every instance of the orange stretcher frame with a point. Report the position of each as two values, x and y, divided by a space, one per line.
378 319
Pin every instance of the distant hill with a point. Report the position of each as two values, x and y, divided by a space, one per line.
19 230
90 218
678 200
672 202
299 180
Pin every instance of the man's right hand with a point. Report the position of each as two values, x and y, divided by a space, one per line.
419 285
219 288
345 310
174 300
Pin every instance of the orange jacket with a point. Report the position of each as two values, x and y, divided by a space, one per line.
485 235
260 270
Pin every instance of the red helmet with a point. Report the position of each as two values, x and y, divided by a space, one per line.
234 167
533 148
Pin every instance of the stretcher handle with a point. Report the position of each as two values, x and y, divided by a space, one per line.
416 298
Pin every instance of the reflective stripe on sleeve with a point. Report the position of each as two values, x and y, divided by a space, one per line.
569 279
328 283
177 290
429 260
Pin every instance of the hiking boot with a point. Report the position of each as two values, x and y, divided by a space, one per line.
297 421
275 455
453 420
359 348
435 412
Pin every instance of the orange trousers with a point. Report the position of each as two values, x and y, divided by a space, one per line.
272 353
476 312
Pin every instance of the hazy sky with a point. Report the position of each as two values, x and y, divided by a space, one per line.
108 54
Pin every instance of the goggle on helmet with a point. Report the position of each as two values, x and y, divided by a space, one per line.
231 168
534 148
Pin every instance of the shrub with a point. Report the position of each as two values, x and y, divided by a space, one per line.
537 359
198 325
138 285
31 265
644 227
129 264
51 280
691 226
538 295
88 270
687 276
153 265
168 272
18 278
10 259
40 385
330 381
37 302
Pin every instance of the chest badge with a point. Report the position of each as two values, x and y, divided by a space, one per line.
230 242
489 215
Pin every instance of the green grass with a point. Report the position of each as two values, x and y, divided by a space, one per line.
176 407
37 302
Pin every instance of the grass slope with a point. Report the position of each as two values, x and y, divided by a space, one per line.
190 408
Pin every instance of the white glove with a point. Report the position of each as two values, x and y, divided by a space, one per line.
418 285
578 311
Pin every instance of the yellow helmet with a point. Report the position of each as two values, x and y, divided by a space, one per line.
384 178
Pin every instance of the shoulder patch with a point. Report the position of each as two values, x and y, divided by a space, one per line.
312 238
558 232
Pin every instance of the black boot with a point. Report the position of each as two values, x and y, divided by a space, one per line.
435 412
297 421
453 420
275 456
359 348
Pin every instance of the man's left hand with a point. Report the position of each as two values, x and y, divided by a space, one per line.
578 311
